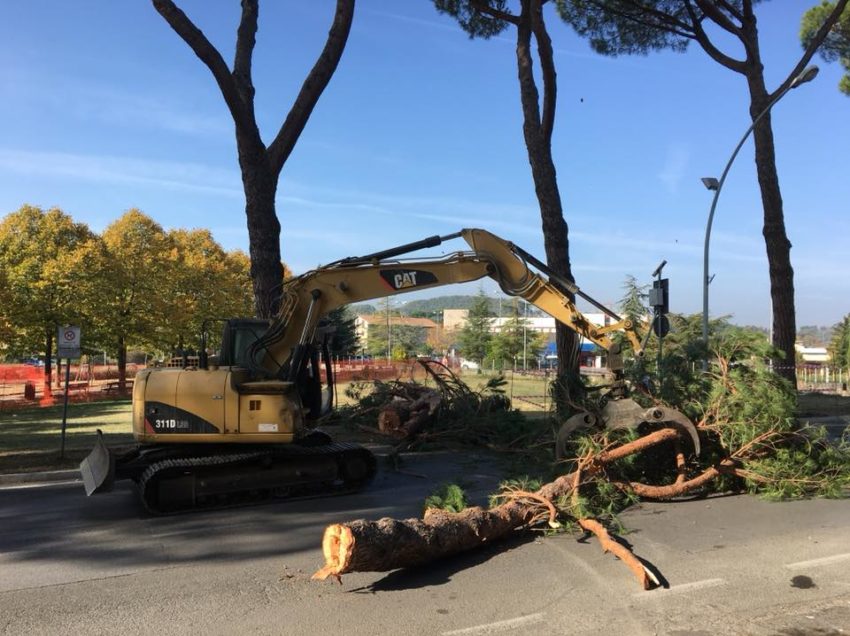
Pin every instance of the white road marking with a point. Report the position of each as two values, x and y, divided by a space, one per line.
813 563
40 484
499 626
680 589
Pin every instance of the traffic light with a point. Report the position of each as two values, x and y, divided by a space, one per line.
659 296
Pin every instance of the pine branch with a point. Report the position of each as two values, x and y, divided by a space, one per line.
312 88
209 55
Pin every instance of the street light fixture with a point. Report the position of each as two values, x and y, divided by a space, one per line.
711 183
716 186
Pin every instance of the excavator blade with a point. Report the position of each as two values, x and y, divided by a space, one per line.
98 468
625 413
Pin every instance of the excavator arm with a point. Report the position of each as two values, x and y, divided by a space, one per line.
284 350
307 298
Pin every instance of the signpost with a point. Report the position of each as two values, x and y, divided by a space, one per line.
659 298
68 347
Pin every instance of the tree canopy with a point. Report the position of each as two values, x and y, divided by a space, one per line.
836 45
515 340
727 32
839 348
49 280
133 286
345 341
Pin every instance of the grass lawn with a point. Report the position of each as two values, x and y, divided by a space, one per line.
30 439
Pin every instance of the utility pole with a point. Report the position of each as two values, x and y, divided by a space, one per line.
659 298
389 337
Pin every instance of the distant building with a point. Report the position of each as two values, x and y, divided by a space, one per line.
454 319
363 323
812 355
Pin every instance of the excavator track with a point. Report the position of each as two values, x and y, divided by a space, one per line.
182 484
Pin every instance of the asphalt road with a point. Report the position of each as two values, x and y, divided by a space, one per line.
731 565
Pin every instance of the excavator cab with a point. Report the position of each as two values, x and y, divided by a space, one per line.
237 337
309 368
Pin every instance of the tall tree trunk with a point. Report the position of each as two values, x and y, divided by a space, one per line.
48 362
261 166
537 130
260 184
122 364
783 318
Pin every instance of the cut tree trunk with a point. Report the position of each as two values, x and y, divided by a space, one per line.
388 544
405 418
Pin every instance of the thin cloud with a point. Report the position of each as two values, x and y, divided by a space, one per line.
675 165
90 100
122 170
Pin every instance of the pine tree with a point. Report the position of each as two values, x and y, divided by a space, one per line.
474 338
514 339
345 341
839 348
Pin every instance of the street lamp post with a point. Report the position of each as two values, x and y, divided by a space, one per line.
713 184
525 339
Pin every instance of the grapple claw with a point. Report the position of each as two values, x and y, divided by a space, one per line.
625 413
585 419
673 419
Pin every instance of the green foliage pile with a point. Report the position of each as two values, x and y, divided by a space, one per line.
749 414
466 417
745 413
448 497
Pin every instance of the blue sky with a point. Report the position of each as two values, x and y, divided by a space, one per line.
104 108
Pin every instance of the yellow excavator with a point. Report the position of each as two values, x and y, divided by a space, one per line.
241 426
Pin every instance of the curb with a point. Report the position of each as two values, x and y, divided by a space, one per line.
16 479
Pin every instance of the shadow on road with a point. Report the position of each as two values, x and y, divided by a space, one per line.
59 523
441 572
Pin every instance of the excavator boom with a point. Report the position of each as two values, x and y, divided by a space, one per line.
307 298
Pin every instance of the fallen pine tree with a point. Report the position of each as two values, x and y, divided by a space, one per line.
388 544
751 443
